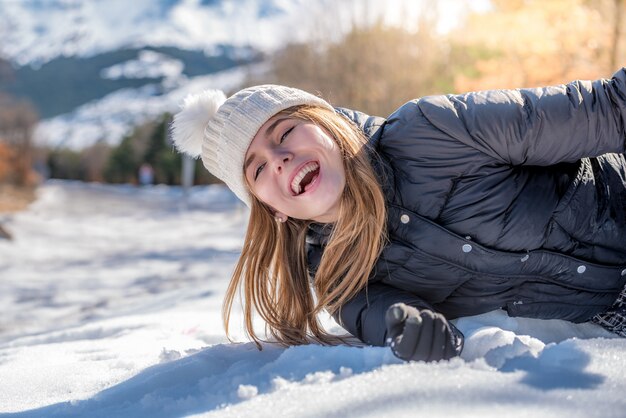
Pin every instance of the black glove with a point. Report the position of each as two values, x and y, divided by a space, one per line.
419 335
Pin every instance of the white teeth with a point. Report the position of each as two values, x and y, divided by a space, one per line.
295 184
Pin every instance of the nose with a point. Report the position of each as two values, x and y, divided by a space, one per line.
279 159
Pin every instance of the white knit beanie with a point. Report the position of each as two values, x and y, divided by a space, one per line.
221 130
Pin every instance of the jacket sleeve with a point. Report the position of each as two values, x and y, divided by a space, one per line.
539 126
364 315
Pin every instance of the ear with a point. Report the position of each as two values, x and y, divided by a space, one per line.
280 217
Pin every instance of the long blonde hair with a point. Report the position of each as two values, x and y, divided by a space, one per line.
272 271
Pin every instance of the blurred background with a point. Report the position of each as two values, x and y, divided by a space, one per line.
88 87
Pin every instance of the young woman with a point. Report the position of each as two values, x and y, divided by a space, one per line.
452 206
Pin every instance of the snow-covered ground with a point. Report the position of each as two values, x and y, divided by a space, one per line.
110 302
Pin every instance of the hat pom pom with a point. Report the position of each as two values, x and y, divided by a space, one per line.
189 124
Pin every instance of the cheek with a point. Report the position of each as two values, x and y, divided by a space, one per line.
327 143
265 192
336 160
331 149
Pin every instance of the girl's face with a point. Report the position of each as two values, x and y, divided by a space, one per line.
296 168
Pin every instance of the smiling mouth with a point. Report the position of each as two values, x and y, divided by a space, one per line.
304 178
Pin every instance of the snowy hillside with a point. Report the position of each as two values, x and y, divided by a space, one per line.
111 298
114 116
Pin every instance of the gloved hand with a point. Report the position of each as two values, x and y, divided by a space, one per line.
416 334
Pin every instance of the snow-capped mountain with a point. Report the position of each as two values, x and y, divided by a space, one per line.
112 117
94 69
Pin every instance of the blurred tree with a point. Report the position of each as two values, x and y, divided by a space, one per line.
160 154
88 164
18 119
93 161
123 163
6 162
168 167
374 68
156 140
65 164
618 41
148 143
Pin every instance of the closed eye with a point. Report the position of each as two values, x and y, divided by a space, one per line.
284 136
258 171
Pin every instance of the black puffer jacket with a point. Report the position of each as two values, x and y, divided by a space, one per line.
510 199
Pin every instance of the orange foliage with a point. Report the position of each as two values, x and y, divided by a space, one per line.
7 157
17 121
15 168
539 42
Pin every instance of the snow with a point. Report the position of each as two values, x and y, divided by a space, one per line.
149 64
111 307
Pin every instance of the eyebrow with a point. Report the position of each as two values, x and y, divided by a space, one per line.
248 162
268 132
273 125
